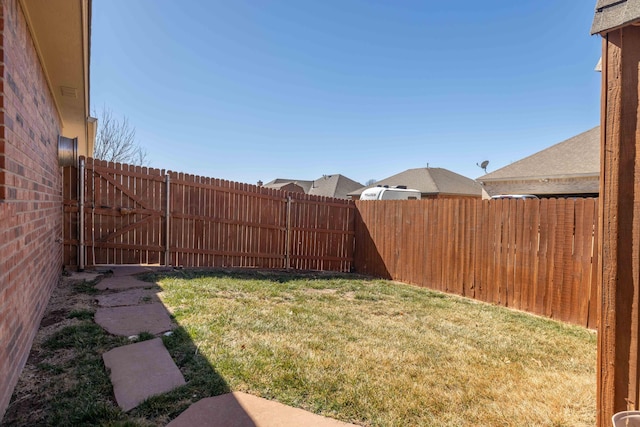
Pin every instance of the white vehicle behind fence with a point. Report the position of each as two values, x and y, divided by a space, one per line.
390 193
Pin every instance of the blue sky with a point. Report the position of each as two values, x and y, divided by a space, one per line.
255 90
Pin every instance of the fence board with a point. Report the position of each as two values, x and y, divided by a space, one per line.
482 252
550 237
518 252
495 250
595 265
528 280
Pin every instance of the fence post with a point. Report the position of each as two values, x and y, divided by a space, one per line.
287 250
167 230
81 245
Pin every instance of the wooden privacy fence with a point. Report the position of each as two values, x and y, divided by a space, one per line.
123 214
539 256
535 255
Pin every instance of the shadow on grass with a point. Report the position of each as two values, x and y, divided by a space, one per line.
74 388
275 275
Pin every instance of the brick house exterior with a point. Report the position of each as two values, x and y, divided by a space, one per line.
31 119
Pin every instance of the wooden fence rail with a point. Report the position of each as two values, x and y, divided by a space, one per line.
138 215
538 256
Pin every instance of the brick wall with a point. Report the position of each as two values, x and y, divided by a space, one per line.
30 196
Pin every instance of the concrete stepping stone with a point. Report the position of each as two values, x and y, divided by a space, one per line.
131 320
122 283
244 410
141 370
130 297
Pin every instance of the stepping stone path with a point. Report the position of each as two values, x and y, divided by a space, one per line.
138 371
144 369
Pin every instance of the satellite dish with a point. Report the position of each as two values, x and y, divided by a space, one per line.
484 165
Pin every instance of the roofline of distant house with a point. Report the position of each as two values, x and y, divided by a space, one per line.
540 177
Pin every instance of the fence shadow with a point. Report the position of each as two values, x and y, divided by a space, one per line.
367 256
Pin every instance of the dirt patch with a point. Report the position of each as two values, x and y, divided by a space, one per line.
53 317
350 295
25 407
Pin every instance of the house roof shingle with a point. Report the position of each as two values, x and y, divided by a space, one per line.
430 181
576 156
611 14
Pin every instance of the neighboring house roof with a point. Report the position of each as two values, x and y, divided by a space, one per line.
578 156
306 185
285 186
335 185
612 14
430 181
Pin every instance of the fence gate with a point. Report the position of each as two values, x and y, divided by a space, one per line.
124 213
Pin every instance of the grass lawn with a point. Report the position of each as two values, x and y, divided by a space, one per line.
378 353
371 352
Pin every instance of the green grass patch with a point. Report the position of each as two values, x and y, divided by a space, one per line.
81 314
145 336
86 287
86 335
50 368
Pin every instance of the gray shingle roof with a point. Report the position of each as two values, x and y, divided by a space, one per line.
335 185
611 14
306 185
430 181
577 156
286 186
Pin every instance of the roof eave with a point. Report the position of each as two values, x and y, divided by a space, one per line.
611 15
61 33
540 177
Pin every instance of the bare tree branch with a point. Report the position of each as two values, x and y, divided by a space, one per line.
116 141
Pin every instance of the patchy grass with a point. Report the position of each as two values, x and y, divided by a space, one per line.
72 387
85 287
145 336
371 352
386 354
81 314
65 382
